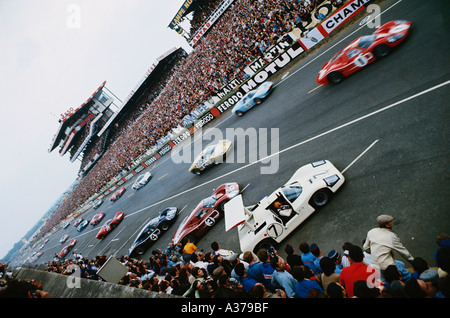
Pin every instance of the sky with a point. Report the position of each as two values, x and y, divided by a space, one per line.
53 55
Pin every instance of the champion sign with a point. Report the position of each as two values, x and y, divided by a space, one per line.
350 9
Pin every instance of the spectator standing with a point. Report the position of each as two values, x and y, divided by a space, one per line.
329 274
357 270
254 267
303 285
381 242
266 269
292 258
246 281
281 277
226 254
315 250
307 257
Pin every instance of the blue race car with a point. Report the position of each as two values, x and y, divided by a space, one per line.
252 98
152 231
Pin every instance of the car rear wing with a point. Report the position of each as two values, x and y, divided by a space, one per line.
236 213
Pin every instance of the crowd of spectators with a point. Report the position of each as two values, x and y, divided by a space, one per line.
241 35
349 272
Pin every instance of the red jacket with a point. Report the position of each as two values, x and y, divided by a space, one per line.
358 271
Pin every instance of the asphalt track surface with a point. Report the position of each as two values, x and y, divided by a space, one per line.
386 127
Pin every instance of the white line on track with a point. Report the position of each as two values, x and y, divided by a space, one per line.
359 157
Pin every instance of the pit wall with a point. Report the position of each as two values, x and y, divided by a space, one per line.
63 286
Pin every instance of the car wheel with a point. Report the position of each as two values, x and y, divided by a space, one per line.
258 100
380 51
197 172
320 198
239 113
164 226
140 250
265 244
335 77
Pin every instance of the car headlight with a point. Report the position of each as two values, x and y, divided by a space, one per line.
395 37
332 180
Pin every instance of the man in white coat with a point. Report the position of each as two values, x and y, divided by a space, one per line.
381 242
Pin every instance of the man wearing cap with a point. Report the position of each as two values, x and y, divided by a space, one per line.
381 243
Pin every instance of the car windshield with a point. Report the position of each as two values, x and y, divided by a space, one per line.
352 53
292 192
366 41
208 151
199 215
209 202
139 178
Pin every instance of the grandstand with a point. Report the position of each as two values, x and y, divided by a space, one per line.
86 132
79 126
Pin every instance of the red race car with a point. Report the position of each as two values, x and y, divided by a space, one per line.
97 218
117 194
110 225
205 214
67 249
363 51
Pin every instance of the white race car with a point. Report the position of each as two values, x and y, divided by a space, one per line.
273 218
142 180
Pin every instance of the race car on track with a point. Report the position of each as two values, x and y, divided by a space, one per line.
142 180
110 225
82 225
252 98
97 218
152 231
117 194
67 248
77 222
363 51
97 204
210 156
64 238
205 214
272 219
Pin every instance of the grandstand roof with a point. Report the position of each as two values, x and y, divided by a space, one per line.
151 77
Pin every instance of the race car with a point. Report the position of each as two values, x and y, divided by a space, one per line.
97 218
271 220
64 238
252 98
97 204
363 51
117 194
67 248
152 231
110 225
77 222
205 214
210 156
82 225
142 180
